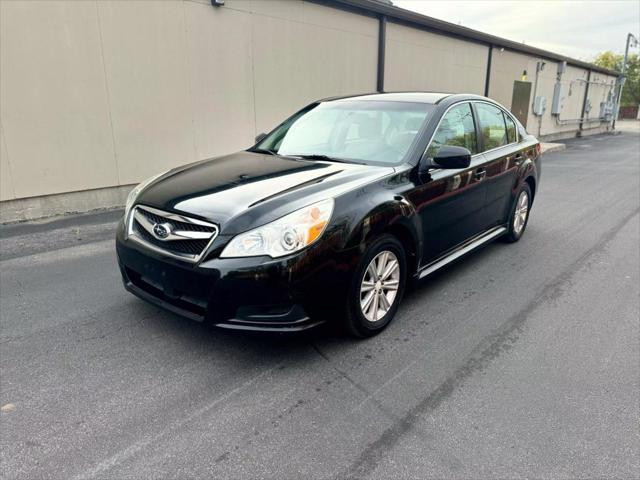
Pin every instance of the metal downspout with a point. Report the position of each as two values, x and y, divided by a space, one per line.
584 102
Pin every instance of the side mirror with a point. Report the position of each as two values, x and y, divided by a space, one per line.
260 137
450 156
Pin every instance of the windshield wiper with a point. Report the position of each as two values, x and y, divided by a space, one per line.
326 158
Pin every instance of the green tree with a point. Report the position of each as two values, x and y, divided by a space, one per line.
613 61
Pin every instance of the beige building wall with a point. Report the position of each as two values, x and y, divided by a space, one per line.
221 82
546 124
420 60
54 105
307 53
600 91
104 93
507 67
6 181
573 82
96 95
147 75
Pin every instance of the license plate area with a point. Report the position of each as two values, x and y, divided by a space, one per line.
171 286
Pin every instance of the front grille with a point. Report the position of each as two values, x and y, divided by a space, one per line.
189 247
177 224
188 238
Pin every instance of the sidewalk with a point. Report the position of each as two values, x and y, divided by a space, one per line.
628 125
39 236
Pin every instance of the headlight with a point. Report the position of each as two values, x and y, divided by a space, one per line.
286 235
133 194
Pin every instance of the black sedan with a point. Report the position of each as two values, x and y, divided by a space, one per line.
330 215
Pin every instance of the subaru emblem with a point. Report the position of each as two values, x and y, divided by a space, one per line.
162 230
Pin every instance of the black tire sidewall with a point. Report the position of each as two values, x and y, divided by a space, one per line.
357 324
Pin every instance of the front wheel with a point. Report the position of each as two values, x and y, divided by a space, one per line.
377 287
519 215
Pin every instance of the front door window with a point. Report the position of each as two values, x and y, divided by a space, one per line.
457 129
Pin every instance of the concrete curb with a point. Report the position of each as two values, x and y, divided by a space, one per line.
552 147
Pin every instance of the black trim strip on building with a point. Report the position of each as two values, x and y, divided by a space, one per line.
382 42
487 78
375 8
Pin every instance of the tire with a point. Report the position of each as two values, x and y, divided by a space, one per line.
518 218
365 322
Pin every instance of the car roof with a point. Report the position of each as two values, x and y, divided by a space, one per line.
415 97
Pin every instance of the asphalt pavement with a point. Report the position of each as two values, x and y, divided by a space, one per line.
521 361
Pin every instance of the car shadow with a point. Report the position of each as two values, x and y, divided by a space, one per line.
294 346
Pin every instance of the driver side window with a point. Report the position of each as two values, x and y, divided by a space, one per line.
457 128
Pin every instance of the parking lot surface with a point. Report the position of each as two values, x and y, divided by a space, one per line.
520 361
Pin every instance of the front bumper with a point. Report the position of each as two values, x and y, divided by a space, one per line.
258 293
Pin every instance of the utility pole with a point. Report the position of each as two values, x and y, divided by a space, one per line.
630 39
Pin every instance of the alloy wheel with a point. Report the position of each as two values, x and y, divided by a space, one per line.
521 212
379 287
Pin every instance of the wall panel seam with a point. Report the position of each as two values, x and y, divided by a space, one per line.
189 89
253 78
3 139
108 91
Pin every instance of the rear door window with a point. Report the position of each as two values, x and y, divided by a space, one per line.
494 132
512 136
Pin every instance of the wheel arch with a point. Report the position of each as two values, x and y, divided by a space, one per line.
531 181
398 218
409 242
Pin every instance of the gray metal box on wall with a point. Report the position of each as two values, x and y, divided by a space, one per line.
606 111
556 103
539 105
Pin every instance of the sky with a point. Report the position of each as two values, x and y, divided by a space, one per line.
578 28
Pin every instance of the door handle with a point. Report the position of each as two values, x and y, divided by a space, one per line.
519 157
480 174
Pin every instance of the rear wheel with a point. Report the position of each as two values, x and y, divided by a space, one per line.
519 215
377 287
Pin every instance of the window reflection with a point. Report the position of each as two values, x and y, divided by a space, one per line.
494 132
375 132
457 129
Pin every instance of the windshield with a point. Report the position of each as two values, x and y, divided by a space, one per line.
370 132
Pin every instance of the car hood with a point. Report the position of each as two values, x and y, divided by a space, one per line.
247 189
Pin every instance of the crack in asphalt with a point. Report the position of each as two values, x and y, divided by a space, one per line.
489 349
134 448
368 394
